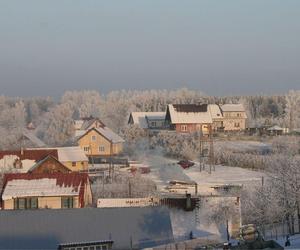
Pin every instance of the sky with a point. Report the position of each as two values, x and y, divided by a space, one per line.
219 47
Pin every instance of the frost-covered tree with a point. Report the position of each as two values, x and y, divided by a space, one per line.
57 127
292 108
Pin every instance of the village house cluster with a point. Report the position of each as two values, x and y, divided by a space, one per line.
190 118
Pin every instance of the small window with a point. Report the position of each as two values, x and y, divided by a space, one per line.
184 128
73 163
86 149
93 138
67 202
237 124
21 203
101 148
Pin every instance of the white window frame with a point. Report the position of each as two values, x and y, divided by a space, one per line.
183 128
101 147
93 137
86 147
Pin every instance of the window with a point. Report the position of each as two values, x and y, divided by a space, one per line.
101 148
237 124
26 203
93 138
183 128
153 124
86 149
239 115
73 163
67 202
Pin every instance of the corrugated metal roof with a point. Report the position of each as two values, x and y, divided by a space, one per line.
48 228
73 180
185 115
30 154
233 108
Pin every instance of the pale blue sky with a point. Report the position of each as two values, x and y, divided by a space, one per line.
219 47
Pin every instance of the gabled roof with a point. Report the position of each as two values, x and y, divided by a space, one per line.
86 123
140 118
49 157
106 133
215 111
232 108
54 184
30 154
49 228
68 154
188 114
33 138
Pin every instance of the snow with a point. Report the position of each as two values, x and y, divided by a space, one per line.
110 135
67 154
139 118
189 117
215 111
233 108
39 187
243 146
7 163
164 170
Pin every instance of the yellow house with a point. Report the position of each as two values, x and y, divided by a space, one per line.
39 191
73 158
100 141
234 117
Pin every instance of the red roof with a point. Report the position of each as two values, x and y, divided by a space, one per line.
76 180
31 154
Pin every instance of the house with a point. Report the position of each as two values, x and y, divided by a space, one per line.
29 138
217 117
234 117
73 158
46 190
87 123
87 228
102 142
48 165
22 160
148 120
189 118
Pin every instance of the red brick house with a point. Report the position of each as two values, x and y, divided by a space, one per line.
189 118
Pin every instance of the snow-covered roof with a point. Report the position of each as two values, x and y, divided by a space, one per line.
233 108
33 138
36 188
67 154
215 111
276 127
189 114
110 135
140 118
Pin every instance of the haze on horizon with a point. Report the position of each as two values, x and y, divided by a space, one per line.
218 47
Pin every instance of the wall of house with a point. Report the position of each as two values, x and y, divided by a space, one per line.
100 141
44 202
234 121
50 166
80 165
191 128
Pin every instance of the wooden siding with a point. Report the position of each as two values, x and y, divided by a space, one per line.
99 141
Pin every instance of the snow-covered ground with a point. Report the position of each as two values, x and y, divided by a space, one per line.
164 170
243 146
